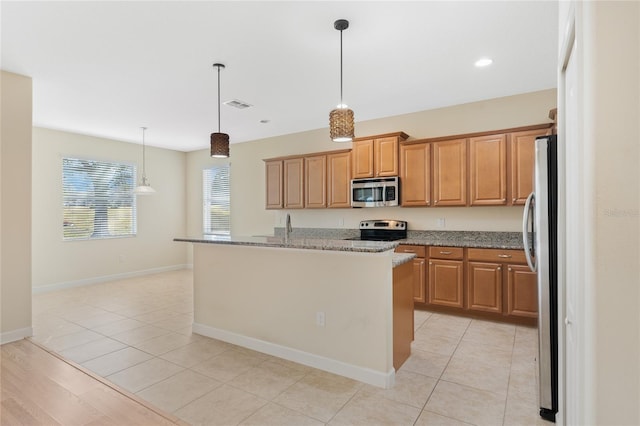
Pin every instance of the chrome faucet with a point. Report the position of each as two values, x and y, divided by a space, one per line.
288 228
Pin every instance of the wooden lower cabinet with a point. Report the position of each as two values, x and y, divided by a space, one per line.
522 292
402 313
494 284
446 282
484 287
419 280
419 271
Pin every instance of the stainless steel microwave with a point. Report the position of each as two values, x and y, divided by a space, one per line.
375 192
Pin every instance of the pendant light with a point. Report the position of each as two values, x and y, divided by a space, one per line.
145 187
341 118
219 141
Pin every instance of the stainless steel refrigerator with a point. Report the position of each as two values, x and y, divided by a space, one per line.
539 233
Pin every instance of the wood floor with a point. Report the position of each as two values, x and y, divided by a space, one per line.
39 388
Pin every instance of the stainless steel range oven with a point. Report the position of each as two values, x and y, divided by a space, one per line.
382 230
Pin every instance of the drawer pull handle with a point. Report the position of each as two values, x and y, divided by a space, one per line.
445 252
504 256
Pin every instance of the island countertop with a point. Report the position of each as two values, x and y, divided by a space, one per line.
296 243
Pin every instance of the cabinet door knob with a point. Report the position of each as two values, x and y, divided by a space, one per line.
515 199
499 268
445 252
504 256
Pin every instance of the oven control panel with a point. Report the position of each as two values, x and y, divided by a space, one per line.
384 224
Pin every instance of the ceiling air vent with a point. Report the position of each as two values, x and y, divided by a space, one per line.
237 104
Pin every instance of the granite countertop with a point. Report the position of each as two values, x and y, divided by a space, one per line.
297 243
477 239
497 240
400 258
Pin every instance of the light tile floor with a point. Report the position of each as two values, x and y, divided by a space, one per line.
137 334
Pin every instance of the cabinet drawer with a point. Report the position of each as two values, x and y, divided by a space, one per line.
446 252
496 255
405 248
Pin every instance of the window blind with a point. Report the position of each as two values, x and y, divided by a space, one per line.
216 198
98 199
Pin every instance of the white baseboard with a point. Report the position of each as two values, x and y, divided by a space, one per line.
13 335
105 278
362 374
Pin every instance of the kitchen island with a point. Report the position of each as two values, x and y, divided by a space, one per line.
324 303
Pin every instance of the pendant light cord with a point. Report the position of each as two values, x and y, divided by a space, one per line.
218 99
341 101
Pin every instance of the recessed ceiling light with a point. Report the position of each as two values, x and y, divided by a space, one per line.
484 62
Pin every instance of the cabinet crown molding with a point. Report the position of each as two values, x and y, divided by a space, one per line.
478 134
401 135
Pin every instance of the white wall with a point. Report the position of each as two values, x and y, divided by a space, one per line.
602 173
15 205
249 216
353 290
160 217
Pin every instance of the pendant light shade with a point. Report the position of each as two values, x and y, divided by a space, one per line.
341 124
219 145
341 121
219 141
145 187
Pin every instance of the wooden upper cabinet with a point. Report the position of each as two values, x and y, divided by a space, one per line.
315 191
377 155
274 198
385 154
450 173
522 147
415 174
293 183
488 170
362 153
339 180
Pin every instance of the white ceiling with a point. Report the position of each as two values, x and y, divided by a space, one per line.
107 68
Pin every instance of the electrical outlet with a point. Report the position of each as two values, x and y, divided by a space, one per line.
320 319
441 222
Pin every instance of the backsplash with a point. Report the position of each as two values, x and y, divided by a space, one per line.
440 238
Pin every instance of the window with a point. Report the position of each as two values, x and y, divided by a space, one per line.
216 200
98 200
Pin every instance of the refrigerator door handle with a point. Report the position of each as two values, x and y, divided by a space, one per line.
525 232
